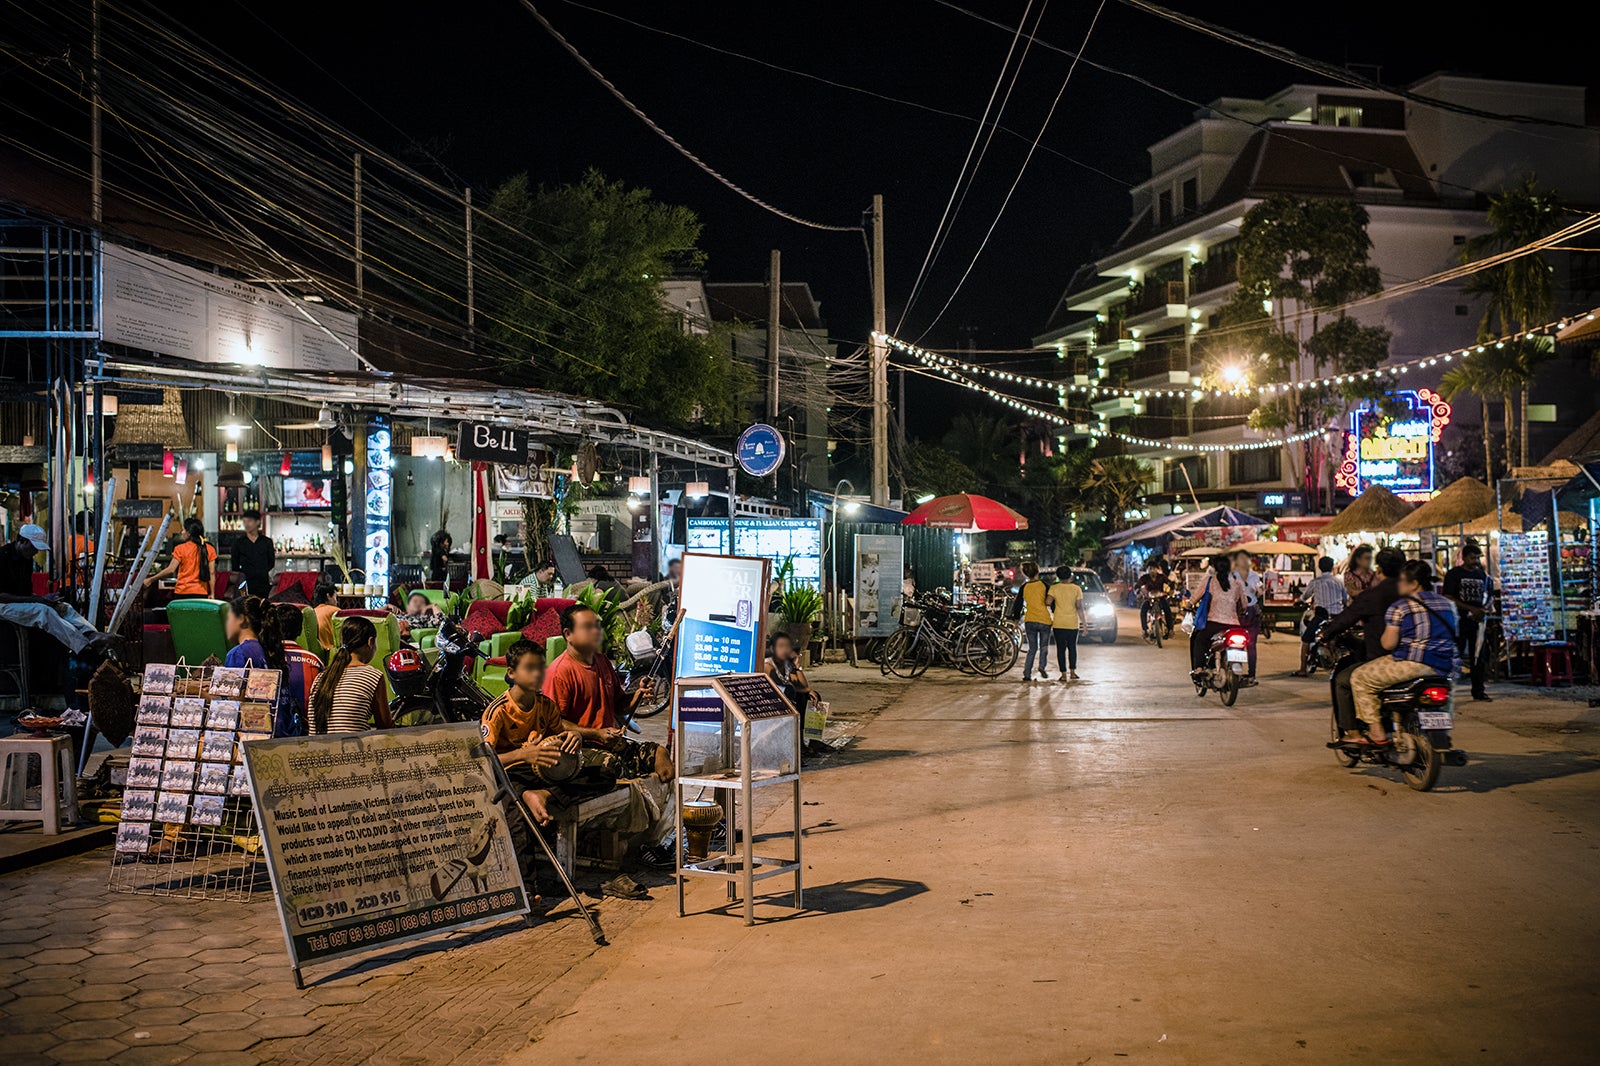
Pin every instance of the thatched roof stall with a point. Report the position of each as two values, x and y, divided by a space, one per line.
1375 511
1461 502
1509 521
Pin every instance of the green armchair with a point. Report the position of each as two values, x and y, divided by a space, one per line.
388 627
198 630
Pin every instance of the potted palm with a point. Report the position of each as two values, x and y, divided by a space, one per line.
800 607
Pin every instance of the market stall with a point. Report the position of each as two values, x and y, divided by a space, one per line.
1366 521
1439 524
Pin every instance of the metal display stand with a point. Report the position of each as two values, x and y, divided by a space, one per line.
750 704
187 825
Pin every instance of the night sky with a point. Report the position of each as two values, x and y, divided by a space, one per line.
479 87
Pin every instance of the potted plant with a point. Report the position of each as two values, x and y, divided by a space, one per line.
800 607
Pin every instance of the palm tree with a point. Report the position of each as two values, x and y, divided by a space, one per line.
1518 294
987 444
1118 481
1469 376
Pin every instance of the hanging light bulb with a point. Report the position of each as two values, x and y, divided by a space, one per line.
327 458
231 425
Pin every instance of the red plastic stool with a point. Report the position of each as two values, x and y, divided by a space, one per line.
1552 663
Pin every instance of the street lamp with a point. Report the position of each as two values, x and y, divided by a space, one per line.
833 555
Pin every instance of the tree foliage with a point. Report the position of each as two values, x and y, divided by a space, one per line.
930 468
587 315
1297 257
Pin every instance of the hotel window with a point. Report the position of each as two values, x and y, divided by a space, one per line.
1255 466
1191 195
1164 207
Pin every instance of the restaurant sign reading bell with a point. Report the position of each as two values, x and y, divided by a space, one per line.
486 442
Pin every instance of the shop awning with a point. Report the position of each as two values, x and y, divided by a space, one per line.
1212 517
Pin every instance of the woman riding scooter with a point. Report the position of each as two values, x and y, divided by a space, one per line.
1222 612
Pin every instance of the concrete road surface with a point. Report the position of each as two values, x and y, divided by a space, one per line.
1113 870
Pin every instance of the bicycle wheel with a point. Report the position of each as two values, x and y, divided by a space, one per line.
894 647
990 652
917 659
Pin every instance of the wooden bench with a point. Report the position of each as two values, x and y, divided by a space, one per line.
572 819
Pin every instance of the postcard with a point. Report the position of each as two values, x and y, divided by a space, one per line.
150 740
218 745
188 712
208 810
134 837
138 805
239 783
172 807
224 714
214 778
153 710
227 682
183 744
255 718
177 775
159 677
144 771
262 685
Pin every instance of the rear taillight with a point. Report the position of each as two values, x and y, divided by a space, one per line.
1435 694
1237 640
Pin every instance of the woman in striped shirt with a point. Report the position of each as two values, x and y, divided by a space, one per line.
348 696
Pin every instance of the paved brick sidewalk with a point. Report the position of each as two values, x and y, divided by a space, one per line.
91 976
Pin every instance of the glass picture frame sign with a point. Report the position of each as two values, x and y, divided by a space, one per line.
187 826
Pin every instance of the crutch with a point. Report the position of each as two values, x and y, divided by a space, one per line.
504 791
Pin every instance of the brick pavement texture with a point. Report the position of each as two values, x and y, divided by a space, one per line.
87 975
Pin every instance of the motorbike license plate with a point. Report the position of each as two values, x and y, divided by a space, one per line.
1433 719
1236 655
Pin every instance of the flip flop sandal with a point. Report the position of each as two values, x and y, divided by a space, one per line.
624 887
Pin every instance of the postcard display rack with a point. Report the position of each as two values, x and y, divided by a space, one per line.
1525 587
187 827
742 736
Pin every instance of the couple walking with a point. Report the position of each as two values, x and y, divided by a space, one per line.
1048 610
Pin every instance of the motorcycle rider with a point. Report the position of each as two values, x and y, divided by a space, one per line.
1156 586
1419 633
1366 610
1222 613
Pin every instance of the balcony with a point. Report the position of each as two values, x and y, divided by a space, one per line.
1222 268
1165 360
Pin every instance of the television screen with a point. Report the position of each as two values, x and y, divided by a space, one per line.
309 493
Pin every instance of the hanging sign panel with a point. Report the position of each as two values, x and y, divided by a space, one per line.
375 838
487 442
760 450
157 305
880 563
724 600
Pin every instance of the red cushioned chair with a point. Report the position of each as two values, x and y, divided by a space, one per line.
306 579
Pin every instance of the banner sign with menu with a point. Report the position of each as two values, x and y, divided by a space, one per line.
880 563
376 838
157 305
724 600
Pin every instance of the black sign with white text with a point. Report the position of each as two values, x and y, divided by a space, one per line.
486 442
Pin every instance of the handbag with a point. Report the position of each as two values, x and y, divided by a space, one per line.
1202 610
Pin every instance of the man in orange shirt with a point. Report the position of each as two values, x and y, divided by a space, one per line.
586 687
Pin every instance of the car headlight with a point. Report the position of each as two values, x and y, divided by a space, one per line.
1102 610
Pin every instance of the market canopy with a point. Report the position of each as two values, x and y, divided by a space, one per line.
966 513
1211 518
1462 500
1507 520
1276 547
1375 511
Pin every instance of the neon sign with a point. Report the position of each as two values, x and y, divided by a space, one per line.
1396 453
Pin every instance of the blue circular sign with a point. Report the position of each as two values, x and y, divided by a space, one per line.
760 450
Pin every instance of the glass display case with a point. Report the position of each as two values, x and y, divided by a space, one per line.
733 737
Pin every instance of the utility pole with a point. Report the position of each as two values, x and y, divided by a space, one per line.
774 330
95 203
880 364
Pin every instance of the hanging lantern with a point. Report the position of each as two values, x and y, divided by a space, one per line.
327 458
287 465
168 463
697 489
639 486
181 475
232 451
108 404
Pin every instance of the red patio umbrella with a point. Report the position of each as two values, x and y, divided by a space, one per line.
965 512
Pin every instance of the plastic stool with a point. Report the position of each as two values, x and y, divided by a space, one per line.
1552 663
58 785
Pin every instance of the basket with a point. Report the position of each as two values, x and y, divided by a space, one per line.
911 616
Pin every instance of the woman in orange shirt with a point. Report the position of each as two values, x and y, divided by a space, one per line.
193 560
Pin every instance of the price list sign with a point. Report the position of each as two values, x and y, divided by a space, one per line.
374 838
724 601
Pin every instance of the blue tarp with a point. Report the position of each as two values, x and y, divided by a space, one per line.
1157 528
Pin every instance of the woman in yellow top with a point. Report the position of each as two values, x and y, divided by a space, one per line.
1066 600
1035 621
193 560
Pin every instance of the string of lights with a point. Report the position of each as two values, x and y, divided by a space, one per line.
938 361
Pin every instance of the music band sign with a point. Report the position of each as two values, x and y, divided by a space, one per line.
486 442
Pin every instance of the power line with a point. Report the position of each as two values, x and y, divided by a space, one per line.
1337 73
664 135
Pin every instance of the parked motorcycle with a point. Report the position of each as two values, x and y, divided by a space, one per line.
652 663
1417 717
446 693
1227 662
